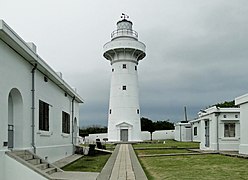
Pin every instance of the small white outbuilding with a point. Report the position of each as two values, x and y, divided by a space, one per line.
218 129
183 131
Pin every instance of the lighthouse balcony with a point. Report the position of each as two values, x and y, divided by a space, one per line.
124 44
124 33
136 48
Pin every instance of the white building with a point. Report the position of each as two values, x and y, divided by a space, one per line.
39 110
217 129
242 101
124 52
195 130
183 131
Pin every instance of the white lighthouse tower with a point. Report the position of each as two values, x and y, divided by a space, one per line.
124 52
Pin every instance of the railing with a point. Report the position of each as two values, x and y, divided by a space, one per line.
124 32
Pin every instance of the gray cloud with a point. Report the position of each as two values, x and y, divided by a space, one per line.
196 50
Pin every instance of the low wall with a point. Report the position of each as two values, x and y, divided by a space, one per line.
92 137
145 135
54 153
157 135
16 170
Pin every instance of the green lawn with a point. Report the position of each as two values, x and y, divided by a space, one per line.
110 147
190 167
88 164
206 167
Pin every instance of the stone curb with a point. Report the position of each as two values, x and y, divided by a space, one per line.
138 170
176 154
107 169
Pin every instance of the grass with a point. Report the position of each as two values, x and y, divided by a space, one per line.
88 164
205 167
110 147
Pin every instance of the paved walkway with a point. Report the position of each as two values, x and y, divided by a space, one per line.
122 165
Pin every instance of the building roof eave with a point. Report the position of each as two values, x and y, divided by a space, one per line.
13 40
241 99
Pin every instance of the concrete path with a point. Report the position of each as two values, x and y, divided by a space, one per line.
122 165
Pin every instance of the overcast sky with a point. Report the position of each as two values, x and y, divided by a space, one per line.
197 50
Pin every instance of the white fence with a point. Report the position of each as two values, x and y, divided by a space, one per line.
157 135
145 135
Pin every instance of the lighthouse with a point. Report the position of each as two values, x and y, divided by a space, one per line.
124 52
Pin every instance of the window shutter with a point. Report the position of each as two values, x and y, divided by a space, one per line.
46 119
41 115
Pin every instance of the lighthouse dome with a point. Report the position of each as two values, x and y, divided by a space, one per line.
124 29
124 24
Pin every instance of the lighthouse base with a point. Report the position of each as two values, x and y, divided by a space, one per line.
124 132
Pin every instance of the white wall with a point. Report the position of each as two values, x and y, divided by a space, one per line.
242 101
197 137
157 135
16 170
177 133
15 75
243 148
2 165
53 144
92 137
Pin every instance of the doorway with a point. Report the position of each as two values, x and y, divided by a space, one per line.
15 119
75 131
124 134
207 133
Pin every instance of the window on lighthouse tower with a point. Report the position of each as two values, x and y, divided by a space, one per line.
124 87
124 66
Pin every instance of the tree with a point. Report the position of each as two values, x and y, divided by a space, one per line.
226 104
164 125
151 126
92 130
151 129
147 125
